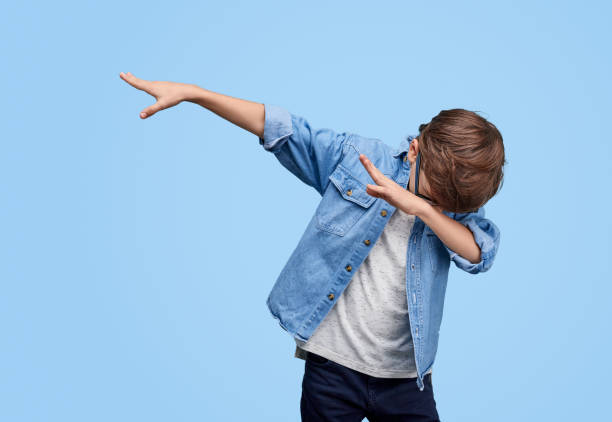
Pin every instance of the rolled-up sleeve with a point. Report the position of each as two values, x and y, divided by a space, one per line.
486 235
277 127
310 154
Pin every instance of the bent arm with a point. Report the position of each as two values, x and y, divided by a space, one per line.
246 114
453 234
471 239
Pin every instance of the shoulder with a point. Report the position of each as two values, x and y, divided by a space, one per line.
366 145
377 151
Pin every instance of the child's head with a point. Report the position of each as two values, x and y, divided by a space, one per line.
462 159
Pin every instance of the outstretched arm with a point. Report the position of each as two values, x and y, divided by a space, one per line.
311 154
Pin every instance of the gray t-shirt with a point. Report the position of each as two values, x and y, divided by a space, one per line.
368 329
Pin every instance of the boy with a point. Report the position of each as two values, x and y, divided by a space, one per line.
363 292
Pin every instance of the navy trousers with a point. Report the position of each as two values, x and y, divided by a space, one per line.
332 392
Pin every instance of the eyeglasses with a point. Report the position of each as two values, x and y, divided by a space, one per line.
416 181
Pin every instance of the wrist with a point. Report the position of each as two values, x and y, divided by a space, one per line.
424 210
195 94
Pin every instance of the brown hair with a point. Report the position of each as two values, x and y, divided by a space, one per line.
462 156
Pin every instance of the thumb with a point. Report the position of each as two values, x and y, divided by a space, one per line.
151 110
375 190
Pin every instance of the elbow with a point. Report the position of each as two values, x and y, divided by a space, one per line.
483 264
477 256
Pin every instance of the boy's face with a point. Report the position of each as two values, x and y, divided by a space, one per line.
423 182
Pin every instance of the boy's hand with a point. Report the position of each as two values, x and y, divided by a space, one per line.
392 192
168 94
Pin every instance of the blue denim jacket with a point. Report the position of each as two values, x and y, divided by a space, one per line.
347 223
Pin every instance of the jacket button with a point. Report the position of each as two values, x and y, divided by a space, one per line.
348 268
330 296
349 192
405 157
383 212
367 241
412 266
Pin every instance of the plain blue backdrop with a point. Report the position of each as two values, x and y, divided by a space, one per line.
137 255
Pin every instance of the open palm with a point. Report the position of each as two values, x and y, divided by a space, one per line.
168 94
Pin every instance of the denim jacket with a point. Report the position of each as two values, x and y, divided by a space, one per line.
347 223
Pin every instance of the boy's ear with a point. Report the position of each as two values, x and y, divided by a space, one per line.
413 149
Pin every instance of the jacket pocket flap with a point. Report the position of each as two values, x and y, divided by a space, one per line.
350 187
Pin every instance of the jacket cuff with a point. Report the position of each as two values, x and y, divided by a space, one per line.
486 243
483 265
277 127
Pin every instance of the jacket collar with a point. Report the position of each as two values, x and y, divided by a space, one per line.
404 145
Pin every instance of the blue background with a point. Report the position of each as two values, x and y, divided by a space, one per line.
137 255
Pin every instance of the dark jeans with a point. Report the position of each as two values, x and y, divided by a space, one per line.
333 392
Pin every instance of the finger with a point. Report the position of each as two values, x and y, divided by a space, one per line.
151 110
375 190
374 172
134 81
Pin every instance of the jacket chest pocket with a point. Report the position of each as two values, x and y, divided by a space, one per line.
344 202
